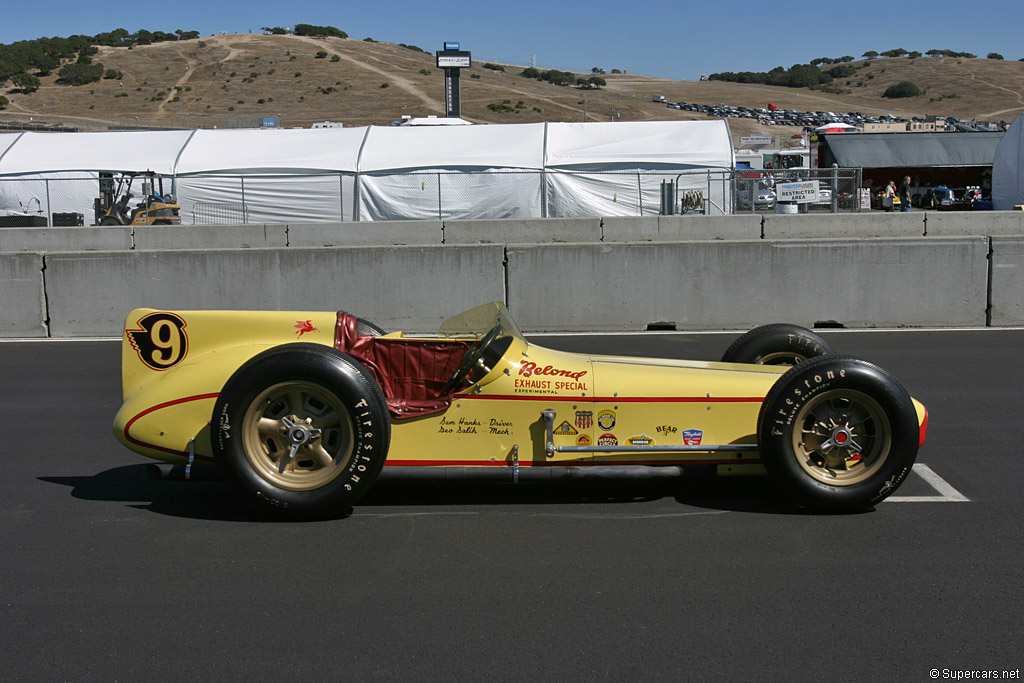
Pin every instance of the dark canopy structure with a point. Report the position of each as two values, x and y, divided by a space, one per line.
910 150
954 159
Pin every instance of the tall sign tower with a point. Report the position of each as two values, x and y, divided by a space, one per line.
452 60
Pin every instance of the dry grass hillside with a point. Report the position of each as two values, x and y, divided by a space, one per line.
207 81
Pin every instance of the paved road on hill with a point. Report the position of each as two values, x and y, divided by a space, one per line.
106 575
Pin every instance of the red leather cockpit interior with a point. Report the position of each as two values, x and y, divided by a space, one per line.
412 373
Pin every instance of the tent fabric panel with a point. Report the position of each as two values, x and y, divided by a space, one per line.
107 151
1008 168
271 199
45 194
260 151
497 146
912 150
444 194
704 144
6 140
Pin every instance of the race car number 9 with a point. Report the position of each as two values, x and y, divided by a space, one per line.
160 340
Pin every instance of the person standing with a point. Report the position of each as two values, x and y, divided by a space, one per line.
904 193
890 194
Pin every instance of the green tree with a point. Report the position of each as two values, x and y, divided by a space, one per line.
994 55
26 83
79 74
4 102
320 31
902 89
870 54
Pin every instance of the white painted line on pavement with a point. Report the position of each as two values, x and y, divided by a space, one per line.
947 494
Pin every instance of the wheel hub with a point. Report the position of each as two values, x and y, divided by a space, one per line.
299 434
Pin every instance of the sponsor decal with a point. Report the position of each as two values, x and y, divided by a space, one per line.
667 429
641 440
584 419
160 341
584 440
529 369
607 440
692 437
304 326
606 419
565 429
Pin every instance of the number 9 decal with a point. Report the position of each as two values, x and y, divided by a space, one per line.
160 340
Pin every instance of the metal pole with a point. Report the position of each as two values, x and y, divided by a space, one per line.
639 193
439 196
245 218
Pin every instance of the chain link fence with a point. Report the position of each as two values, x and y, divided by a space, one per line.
69 198
839 190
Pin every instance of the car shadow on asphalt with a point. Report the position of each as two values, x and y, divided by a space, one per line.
210 497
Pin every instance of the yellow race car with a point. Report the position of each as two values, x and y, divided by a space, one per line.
304 410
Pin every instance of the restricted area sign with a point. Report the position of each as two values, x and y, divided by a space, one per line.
801 193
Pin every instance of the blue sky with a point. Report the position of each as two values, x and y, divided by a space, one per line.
651 37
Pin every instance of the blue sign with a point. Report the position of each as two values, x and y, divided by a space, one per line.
449 45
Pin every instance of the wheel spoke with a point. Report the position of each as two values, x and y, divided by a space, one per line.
296 401
320 454
269 429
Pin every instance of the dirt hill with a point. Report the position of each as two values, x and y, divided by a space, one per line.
208 81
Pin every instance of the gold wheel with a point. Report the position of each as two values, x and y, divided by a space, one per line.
297 435
842 437
782 358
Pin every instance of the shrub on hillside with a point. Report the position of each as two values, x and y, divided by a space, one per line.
319 31
902 89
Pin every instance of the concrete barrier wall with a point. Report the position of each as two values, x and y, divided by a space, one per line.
1007 281
858 225
413 288
951 223
534 231
716 285
22 298
611 229
239 236
627 273
106 238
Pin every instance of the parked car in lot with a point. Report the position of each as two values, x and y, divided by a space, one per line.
757 195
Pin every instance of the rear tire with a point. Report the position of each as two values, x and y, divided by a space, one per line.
777 344
302 428
838 434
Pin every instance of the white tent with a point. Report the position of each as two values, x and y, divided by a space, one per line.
610 169
375 173
1008 168
471 171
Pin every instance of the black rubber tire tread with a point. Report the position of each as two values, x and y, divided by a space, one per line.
802 383
761 341
372 329
333 370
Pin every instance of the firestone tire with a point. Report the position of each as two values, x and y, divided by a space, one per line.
372 329
837 434
777 344
302 428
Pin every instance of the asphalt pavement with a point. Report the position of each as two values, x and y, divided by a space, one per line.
108 575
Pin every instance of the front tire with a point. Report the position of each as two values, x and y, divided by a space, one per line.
777 344
838 434
303 428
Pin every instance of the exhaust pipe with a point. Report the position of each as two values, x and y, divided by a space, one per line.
530 474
